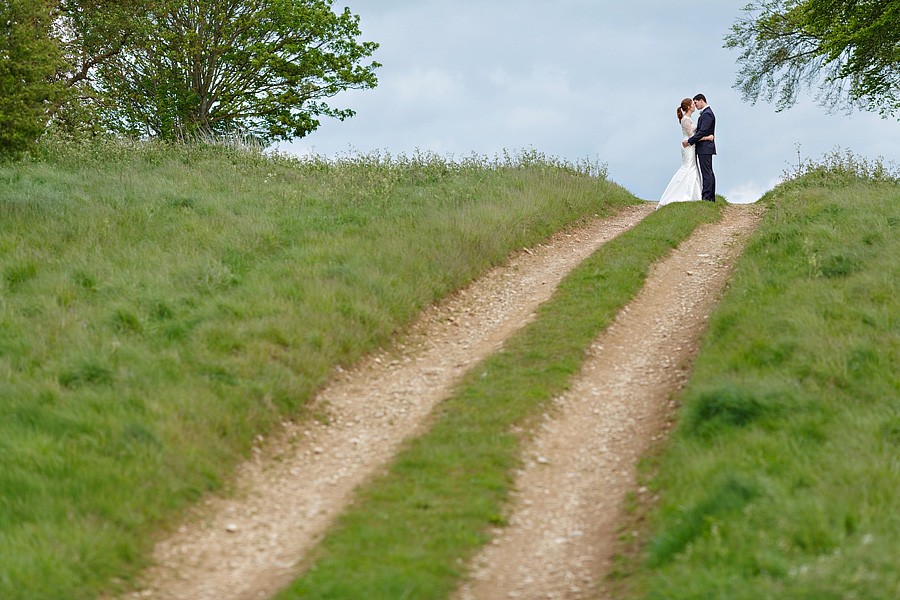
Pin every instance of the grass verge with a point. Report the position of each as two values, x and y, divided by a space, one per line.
412 530
782 478
162 305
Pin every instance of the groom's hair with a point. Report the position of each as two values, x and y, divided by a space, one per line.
700 97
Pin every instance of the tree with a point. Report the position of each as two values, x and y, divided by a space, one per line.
92 33
257 67
29 59
851 46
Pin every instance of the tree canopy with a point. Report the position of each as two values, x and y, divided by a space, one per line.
29 59
258 67
851 48
177 69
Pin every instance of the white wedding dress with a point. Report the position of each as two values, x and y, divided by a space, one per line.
685 184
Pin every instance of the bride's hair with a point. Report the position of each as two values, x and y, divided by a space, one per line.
685 104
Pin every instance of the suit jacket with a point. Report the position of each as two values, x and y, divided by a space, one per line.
706 125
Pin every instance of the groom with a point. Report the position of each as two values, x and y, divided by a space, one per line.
706 125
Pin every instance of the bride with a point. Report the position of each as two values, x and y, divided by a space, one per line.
685 184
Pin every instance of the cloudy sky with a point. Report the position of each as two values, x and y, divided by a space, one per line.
577 79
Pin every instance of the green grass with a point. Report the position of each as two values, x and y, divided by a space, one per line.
160 306
412 530
782 479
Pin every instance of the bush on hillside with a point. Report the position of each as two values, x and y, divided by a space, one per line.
840 167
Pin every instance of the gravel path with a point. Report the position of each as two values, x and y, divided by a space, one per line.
248 547
583 461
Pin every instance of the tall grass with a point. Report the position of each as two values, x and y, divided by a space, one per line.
783 477
161 305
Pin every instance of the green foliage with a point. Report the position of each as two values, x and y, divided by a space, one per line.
262 68
838 167
29 59
849 46
795 395
410 531
90 33
99 30
717 408
720 501
160 305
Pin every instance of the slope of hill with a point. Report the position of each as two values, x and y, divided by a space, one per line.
782 478
161 306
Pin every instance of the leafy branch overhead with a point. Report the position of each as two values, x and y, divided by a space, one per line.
851 48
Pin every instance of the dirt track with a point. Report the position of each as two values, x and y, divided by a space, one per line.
249 546
583 462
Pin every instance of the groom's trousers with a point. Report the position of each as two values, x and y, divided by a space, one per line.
707 176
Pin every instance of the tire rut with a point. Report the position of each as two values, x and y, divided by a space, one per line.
577 470
249 546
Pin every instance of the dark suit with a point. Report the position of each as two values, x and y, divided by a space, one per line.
706 125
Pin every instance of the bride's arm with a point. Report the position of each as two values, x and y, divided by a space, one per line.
704 125
706 138
689 129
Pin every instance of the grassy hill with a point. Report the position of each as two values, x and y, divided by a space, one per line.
161 306
783 477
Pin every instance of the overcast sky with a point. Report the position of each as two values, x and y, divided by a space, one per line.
577 79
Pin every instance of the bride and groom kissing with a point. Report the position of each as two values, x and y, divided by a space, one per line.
695 178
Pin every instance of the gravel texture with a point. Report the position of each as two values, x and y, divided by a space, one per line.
250 545
582 462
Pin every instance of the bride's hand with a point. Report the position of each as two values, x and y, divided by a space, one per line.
708 138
